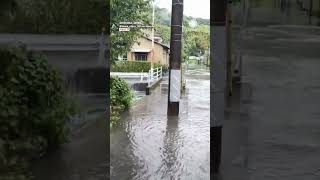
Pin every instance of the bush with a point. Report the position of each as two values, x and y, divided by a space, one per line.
120 93
120 97
131 66
135 66
33 108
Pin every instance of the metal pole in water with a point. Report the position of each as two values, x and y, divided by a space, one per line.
229 48
218 78
175 58
153 24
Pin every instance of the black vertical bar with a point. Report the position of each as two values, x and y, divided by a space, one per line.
175 49
217 20
108 66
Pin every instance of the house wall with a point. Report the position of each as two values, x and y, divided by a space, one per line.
161 55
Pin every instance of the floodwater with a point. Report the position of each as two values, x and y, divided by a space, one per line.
148 145
85 156
275 135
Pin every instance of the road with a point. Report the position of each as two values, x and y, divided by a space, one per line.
148 145
272 130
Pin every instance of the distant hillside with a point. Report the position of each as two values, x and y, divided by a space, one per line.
163 17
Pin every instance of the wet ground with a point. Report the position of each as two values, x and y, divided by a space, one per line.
148 145
272 130
85 156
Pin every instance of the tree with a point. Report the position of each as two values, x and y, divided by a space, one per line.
126 11
196 40
164 31
56 16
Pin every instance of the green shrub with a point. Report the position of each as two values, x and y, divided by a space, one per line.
131 66
120 92
120 97
33 108
135 66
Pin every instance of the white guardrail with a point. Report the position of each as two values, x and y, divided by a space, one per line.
152 75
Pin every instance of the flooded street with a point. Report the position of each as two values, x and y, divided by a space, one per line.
85 156
275 132
283 129
148 145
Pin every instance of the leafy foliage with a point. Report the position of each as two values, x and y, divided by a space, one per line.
126 11
55 16
195 39
164 31
131 66
135 66
33 109
120 93
165 68
120 98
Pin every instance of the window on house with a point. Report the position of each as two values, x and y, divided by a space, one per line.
125 57
141 56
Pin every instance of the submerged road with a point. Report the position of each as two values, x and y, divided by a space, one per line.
148 145
85 157
273 128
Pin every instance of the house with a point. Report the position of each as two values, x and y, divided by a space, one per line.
142 51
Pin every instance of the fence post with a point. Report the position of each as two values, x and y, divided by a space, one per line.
161 72
149 77
151 74
158 70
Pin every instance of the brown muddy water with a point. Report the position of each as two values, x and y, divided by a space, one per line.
148 145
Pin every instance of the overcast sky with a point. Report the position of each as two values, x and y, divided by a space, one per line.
194 8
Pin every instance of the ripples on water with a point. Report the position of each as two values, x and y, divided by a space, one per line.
149 145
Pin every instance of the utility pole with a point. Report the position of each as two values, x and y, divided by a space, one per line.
174 92
218 78
229 48
153 18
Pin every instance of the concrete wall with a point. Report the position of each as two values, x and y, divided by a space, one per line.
76 57
80 69
161 54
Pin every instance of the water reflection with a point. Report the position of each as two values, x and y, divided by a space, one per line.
170 152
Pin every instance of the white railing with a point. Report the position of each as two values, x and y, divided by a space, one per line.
154 74
151 76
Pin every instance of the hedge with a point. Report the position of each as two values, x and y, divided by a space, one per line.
131 66
33 110
135 66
